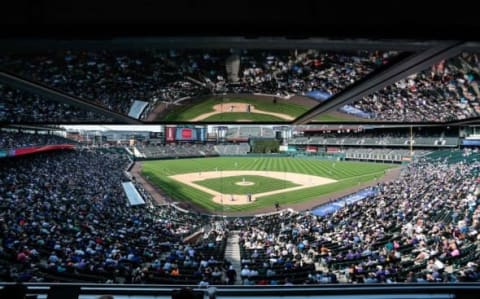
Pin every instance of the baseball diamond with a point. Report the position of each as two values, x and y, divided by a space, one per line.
210 183
248 108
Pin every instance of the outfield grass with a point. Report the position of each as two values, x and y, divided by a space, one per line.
242 116
227 185
186 113
348 174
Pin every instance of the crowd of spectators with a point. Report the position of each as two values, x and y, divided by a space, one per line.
111 79
286 73
308 71
14 140
17 106
448 91
422 227
64 217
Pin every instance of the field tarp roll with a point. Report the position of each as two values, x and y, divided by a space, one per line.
137 109
319 95
134 198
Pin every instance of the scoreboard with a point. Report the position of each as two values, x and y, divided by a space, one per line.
187 133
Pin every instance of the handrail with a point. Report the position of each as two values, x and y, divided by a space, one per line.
396 291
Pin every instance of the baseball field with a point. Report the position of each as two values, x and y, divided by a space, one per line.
214 109
249 109
238 184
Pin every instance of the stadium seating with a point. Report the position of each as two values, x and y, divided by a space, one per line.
172 150
76 225
376 139
15 140
448 91
17 106
232 149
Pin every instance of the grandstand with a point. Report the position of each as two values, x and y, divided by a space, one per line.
244 133
18 106
171 150
232 149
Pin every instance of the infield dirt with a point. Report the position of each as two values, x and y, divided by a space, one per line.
304 180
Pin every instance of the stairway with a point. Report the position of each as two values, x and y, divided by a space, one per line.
232 254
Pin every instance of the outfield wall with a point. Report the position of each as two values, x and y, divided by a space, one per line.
249 155
176 157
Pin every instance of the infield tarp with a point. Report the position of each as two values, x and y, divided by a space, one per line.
318 95
330 208
354 111
137 109
471 142
134 198
321 95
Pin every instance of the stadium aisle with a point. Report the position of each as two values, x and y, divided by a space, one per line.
232 254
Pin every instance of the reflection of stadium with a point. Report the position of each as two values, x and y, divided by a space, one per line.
164 84
157 92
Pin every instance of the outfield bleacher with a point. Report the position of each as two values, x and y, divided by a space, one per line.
232 149
246 132
452 156
172 150
377 141
378 154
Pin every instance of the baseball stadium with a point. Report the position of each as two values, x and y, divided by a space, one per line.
165 168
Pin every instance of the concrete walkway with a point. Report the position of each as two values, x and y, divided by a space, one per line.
232 254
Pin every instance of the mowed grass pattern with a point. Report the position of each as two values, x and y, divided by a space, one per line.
186 113
347 174
242 117
227 185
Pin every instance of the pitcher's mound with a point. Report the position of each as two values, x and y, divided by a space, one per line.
245 183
